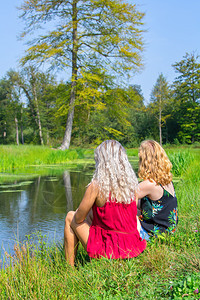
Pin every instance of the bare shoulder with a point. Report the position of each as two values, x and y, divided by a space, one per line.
145 188
93 188
93 185
147 184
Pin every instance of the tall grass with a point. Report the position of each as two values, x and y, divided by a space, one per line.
167 269
14 158
180 161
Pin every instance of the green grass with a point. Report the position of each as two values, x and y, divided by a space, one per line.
27 162
180 161
14 158
167 269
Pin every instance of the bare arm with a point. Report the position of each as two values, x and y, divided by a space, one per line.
149 189
144 189
138 204
86 203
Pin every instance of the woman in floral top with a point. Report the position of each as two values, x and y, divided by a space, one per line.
157 200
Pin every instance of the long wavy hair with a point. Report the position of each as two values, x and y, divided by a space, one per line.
154 163
114 175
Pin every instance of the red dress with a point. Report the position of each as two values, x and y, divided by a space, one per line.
113 233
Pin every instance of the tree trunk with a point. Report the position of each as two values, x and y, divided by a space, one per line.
70 117
38 113
4 132
68 131
47 137
30 101
17 131
68 190
22 134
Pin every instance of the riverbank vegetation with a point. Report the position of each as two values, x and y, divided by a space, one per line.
25 158
14 159
168 268
19 163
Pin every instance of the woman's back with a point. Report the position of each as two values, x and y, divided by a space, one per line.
116 216
160 215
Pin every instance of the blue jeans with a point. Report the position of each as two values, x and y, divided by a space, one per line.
144 234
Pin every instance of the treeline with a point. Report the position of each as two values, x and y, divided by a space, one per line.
34 106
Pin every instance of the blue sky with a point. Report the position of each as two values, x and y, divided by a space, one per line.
173 28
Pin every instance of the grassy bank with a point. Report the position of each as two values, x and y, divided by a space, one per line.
14 158
168 268
18 163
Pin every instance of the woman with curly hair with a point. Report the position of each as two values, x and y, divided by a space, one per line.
111 196
157 199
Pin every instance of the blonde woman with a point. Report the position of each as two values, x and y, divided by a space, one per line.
157 199
111 196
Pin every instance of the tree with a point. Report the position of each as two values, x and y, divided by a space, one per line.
86 33
10 110
160 95
33 84
187 96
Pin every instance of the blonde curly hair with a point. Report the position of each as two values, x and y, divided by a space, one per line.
154 163
113 174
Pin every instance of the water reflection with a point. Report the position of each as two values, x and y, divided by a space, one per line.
39 205
68 190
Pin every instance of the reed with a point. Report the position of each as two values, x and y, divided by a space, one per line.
180 161
13 158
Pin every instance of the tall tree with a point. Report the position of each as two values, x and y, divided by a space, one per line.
10 110
159 96
85 33
187 96
33 84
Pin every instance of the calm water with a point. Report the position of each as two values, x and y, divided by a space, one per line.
39 205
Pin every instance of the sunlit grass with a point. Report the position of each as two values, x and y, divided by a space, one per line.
17 162
14 158
27 162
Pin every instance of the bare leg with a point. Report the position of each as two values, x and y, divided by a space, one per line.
74 233
70 239
138 224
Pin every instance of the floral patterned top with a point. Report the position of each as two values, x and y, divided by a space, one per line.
160 215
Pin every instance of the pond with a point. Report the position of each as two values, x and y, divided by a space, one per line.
40 204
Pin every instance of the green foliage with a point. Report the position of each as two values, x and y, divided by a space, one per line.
187 286
114 120
103 109
187 93
117 34
160 99
10 110
82 35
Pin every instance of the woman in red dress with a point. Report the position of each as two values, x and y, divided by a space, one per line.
111 198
